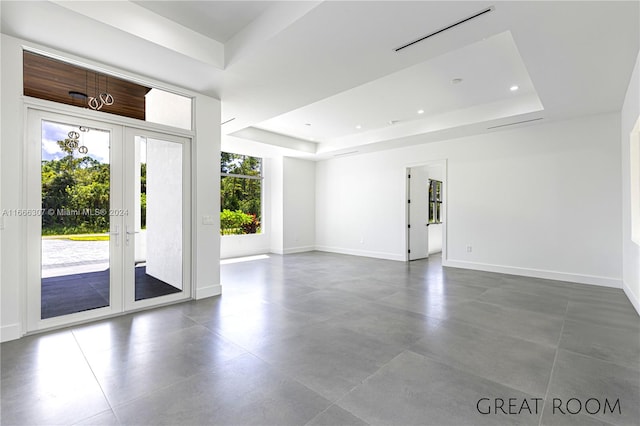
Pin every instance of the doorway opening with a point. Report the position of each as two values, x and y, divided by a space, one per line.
425 210
110 229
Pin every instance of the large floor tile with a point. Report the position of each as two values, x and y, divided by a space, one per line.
366 288
60 388
245 391
336 416
540 302
415 390
139 328
385 323
554 417
106 418
600 295
513 362
613 344
259 327
328 360
32 354
612 315
532 285
326 303
581 377
149 367
519 323
432 304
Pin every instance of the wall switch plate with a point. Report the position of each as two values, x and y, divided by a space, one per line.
208 220
469 249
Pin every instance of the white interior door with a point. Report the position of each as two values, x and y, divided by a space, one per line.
418 212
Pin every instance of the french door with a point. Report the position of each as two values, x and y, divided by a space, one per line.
108 219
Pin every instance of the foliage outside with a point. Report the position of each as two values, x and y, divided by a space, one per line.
75 191
75 195
240 197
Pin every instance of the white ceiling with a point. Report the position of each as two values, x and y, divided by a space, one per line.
219 20
279 65
487 68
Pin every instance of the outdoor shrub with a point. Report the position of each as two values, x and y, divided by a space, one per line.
232 222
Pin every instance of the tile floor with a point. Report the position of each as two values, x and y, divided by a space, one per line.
326 339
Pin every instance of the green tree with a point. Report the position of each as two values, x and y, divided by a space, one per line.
76 185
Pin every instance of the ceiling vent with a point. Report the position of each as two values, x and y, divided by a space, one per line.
448 27
513 124
342 154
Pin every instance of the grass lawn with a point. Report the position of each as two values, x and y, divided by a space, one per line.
79 237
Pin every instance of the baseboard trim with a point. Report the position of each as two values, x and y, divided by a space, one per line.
10 332
633 298
301 249
363 253
536 273
209 291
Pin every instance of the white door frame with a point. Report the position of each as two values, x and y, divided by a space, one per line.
444 212
36 112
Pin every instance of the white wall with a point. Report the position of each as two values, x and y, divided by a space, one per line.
205 150
541 200
11 138
299 206
630 250
274 187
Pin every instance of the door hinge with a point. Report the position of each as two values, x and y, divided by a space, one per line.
409 251
408 226
409 201
409 176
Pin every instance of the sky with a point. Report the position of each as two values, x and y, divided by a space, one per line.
97 141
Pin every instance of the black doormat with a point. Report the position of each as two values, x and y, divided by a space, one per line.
69 294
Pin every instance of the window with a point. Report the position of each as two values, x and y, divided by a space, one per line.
435 201
240 194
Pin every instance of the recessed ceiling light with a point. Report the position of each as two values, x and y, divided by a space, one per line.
420 111
456 81
514 88
358 127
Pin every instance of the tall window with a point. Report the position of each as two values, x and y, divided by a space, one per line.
435 201
240 194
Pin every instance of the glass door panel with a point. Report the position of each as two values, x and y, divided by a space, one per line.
75 240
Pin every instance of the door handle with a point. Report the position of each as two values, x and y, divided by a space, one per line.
116 233
129 233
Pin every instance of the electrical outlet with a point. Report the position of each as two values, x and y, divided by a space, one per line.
469 249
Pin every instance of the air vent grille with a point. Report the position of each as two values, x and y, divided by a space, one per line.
448 27
513 124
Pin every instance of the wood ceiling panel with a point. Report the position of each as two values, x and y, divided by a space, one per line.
49 79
